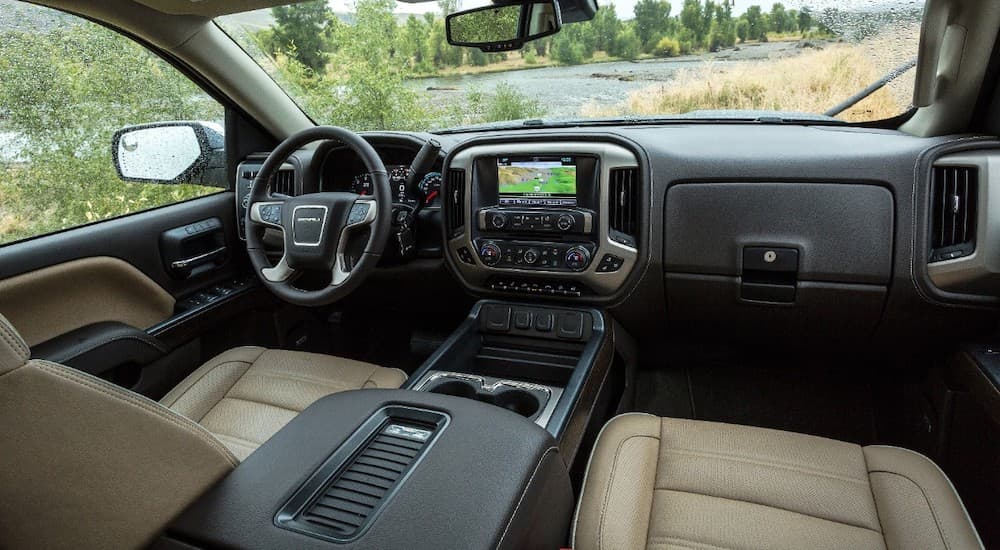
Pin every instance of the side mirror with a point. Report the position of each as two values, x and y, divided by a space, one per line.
505 27
171 152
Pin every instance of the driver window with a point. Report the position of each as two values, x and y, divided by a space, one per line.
67 85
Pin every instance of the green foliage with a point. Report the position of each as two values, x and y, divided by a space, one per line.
65 91
566 51
304 31
530 58
743 30
493 25
651 17
626 45
668 47
805 19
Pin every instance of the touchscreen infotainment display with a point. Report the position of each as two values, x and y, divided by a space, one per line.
537 181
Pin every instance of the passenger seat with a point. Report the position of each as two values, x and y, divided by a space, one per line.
667 483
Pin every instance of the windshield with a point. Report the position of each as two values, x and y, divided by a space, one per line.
383 65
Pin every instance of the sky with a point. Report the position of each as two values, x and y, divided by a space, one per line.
624 8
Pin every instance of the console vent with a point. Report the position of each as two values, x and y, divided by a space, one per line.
348 491
284 182
623 198
953 212
456 201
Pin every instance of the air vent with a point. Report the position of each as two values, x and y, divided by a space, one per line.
953 212
456 201
346 494
284 183
623 207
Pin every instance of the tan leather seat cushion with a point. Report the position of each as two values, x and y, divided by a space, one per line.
245 395
667 483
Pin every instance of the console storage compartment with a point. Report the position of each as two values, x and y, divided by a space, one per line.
389 469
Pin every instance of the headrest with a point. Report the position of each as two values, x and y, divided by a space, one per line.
13 351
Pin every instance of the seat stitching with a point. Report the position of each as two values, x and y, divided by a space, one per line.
927 498
228 391
656 478
769 506
203 375
139 339
687 542
319 381
771 463
527 486
15 341
611 479
157 410
255 402
759 462
871 490
238 439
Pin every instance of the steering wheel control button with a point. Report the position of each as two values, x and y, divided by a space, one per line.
610 263
466 256
271 213
490 253
497 318
570 325
358 213
577 258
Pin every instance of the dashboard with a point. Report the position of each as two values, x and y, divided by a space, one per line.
342 170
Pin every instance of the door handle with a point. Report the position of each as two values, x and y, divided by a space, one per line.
200 259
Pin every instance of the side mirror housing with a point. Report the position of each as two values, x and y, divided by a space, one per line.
171 153
504 27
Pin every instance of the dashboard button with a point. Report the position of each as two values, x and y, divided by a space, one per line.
530 256
543 322
498 221
522 319
498 318
570 325
565 222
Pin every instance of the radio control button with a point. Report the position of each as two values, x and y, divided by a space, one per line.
530 256
498 221
565 222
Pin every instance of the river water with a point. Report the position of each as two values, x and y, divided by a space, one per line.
563 90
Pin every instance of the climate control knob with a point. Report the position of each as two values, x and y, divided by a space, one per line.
530 256
565 222
498 221
577 258
490 253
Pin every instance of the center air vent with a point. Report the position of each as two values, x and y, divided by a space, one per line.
455 198
284 182
345 495
623 207
953 212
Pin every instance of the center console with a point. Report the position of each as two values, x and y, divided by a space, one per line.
556 219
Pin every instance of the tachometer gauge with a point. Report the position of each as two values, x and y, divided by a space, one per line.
430 187
363 185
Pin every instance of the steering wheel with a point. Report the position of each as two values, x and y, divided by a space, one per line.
317 227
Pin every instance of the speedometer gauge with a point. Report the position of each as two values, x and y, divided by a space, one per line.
430 187
363 185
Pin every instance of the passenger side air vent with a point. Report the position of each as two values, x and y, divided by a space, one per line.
456 201
623 207
954 190
284 182
366 472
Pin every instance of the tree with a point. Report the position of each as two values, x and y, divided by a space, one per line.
693 20
651 18
778 18
757 27
742 30
606 27
805 19
303 31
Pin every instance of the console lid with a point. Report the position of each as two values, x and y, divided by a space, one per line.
487 478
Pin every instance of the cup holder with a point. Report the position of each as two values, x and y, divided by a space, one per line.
519 400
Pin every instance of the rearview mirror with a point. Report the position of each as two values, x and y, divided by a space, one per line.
171 152
504 27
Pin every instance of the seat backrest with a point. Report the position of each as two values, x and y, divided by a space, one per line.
87 464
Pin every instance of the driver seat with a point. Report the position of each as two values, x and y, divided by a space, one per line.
88 464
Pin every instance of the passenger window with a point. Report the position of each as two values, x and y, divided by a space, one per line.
67 88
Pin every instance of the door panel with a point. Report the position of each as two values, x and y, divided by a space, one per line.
61 298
